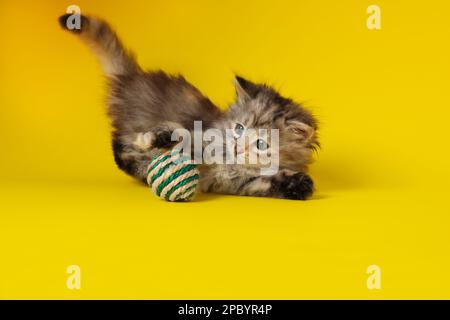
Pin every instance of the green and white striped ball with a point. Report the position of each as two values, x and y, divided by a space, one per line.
173 177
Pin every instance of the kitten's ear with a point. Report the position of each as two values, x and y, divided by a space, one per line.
245 90
303 131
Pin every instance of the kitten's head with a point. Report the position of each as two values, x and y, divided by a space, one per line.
259 106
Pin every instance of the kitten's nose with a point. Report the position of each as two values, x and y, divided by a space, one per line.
238 149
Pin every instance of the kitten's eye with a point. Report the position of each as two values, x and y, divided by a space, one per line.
239 129
261 144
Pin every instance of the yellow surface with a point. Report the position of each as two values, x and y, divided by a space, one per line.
382 177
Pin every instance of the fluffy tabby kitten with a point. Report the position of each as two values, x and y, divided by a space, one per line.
145 108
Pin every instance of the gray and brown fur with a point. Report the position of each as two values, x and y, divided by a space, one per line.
157 103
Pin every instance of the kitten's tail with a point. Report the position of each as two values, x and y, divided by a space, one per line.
103 41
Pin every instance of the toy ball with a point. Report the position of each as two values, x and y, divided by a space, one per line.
173 177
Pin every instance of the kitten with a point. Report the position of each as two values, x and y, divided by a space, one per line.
146 107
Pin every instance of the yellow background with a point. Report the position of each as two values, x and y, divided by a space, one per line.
382 176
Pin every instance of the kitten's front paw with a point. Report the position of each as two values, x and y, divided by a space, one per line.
163 139
157 138
145 140
297 186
